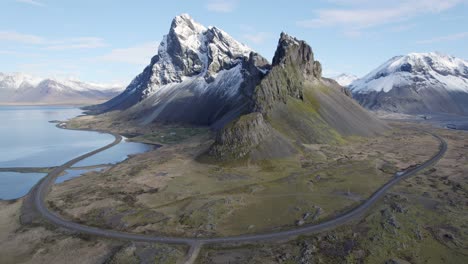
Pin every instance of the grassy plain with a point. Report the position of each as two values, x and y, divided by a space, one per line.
169 191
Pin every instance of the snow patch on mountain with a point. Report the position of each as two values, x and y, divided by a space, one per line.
345 79
189 50
15 81
420 70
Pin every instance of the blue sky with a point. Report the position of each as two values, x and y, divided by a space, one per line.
112 41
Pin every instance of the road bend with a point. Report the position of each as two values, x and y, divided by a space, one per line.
43 187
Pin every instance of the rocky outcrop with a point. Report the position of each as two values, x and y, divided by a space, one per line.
291 51
293 64
293 103
237 139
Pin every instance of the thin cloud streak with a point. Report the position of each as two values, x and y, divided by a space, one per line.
21 38
30 2
452 37
47 44
360 16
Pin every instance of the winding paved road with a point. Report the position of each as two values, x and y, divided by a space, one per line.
43 187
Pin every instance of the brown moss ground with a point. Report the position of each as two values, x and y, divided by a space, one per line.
168 191
37 244
422 220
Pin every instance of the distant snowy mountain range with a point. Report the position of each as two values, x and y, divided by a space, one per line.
416 83
345 79
421 69
19 88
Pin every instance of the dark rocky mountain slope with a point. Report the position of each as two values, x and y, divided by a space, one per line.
294 105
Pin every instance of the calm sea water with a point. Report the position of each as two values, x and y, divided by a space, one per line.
14 185
27 139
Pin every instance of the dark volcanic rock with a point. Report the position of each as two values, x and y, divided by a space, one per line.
238 138
293 64
293 51
296 105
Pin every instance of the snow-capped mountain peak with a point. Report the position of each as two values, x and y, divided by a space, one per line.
190 50
200 70
345 79
421 70
416 83
184 25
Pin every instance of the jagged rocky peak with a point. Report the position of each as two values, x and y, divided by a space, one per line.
182 47
190 49
293 51
200 76
292 65
184 26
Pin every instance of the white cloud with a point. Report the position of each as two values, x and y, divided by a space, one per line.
360 14
137 55
52 44
21 38
30 2
452 37
76 43
222 6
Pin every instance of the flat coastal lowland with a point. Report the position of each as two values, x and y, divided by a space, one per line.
168 192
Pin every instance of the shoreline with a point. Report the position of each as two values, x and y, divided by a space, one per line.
48 169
